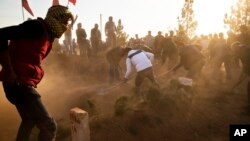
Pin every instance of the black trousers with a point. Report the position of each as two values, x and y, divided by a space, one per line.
32 111
141 75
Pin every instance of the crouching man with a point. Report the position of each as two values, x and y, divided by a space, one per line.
191 59
142 61
241 51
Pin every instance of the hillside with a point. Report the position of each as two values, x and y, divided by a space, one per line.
204 113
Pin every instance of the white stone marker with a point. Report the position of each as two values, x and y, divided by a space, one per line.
185 81
79 124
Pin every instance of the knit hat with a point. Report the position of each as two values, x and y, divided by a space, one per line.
57 19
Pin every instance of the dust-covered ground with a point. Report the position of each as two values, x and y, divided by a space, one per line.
202 114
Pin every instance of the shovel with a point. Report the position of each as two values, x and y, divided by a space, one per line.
104 91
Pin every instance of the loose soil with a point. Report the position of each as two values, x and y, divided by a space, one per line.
167 114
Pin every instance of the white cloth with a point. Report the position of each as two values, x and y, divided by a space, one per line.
140 61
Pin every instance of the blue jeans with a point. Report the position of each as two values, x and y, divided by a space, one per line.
32 111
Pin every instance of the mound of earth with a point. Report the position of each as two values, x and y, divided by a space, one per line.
117 114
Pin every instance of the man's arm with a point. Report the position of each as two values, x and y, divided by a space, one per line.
7 73
150 56
129 68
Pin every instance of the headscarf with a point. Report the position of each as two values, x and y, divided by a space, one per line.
57 19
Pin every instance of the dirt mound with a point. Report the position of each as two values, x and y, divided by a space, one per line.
164 114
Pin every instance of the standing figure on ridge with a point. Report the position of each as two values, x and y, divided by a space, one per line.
110 32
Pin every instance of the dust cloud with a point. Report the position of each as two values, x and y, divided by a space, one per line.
69 81
168 114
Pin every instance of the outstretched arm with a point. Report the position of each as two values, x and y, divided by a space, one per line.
7 73
129 68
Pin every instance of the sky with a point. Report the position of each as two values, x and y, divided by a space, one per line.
137 16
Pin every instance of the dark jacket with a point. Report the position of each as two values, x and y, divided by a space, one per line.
29 44
189 55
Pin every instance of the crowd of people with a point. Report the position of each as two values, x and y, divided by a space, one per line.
211 53
87 47
213 58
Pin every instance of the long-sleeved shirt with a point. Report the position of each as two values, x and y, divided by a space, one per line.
140 61
30 43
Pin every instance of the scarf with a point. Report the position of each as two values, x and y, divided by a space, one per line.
56 27
57 19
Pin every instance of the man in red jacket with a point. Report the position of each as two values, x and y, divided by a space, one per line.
22 49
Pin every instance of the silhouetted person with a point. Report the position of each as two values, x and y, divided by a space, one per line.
30 42
211 46
74 46
244 36
149 40
96 40
232 38
81 39
110 32
169 50
241 51
221 55
68 40
137 41
191 59
158 45
114 57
